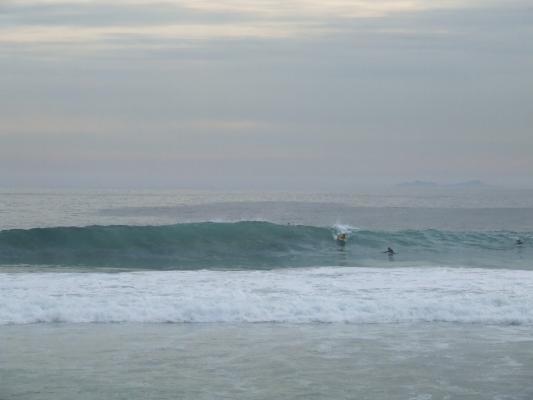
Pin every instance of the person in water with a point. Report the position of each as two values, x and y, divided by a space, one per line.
519 242
341 237
389 251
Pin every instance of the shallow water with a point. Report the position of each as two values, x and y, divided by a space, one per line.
266 361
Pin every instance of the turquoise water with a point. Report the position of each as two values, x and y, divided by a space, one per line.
253 245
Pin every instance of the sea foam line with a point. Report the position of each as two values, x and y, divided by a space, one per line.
327 294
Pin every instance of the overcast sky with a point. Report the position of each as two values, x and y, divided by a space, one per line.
303 94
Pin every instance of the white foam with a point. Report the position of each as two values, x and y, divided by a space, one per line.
343 228
331 294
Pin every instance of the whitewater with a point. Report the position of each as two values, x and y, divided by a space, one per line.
324 295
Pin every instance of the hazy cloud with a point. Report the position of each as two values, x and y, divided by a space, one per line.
306 92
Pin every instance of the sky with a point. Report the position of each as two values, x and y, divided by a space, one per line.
265 94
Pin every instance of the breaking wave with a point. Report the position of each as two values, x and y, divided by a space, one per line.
301 295
248 244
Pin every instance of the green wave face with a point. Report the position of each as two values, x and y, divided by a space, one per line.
252 245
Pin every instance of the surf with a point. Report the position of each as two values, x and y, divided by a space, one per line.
296 295
248 245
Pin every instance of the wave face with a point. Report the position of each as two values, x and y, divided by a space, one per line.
301 295
252 245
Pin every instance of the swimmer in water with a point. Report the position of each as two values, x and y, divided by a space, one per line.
519 242
389 251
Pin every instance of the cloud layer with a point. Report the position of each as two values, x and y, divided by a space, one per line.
324 93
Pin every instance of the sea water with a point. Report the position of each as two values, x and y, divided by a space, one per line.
207 295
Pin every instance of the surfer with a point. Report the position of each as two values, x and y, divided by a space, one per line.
389 251
342 237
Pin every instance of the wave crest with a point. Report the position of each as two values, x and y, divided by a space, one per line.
243 244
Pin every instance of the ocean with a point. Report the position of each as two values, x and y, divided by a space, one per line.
167 294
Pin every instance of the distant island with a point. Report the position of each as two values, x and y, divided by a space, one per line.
427 184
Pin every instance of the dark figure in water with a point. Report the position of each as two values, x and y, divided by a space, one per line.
341 236
389 251
519 242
